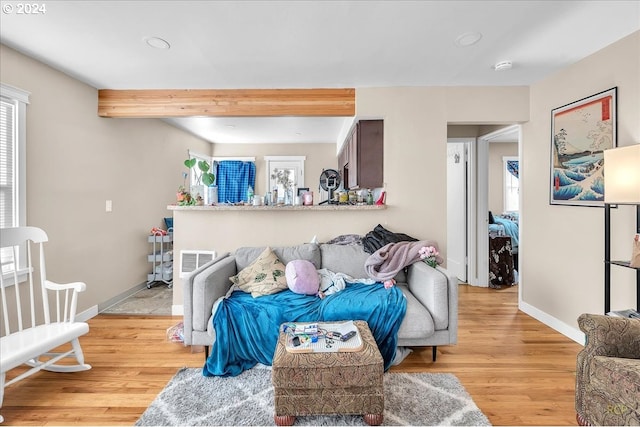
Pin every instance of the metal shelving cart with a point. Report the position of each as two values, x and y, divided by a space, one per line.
161 259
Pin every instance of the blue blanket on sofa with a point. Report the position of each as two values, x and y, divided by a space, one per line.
247 328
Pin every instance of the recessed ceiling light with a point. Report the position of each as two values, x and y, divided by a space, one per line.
467 39
157 42
503 65
231 126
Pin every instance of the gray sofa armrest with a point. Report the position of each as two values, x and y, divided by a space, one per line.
437 289
201 289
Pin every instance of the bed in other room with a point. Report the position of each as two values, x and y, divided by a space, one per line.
503 249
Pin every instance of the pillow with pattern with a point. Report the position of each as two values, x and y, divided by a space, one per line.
264 276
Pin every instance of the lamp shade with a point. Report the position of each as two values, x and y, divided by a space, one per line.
622 175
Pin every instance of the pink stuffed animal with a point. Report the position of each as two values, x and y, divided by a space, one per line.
302 277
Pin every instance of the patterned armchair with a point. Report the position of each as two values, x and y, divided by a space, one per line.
608 371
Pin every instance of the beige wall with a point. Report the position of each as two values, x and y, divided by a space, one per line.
562 246
76 161
498 150
415 135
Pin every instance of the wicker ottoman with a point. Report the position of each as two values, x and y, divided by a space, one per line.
329 383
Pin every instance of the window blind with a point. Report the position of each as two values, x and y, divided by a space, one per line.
7 172
7 162
13 113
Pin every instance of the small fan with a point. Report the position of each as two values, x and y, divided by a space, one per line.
329 181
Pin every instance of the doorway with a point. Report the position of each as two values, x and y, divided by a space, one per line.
468 237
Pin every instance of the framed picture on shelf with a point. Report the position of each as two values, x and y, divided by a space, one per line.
580 132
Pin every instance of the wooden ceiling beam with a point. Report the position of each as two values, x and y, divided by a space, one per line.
226 102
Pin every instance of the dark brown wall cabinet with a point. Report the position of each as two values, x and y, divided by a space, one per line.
361 158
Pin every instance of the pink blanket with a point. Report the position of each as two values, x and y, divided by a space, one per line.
387 261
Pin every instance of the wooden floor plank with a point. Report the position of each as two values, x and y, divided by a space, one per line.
518 371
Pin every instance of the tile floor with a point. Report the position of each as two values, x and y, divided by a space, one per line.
154 301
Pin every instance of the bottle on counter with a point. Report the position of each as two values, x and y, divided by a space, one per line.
369 197
353 198
250 195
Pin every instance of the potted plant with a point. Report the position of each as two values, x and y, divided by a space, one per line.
204 178
184 197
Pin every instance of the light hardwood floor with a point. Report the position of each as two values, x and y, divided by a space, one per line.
518 371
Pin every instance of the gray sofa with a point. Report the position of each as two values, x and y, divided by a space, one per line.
432 294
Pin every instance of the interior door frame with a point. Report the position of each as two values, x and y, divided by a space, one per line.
481 215
478 203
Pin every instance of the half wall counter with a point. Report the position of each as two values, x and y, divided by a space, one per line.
224 228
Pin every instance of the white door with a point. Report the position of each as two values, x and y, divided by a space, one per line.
457 209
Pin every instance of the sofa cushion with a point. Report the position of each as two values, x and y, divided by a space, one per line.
264 276
349 259
309 251
417 321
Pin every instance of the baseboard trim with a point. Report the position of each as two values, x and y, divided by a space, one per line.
87 314
177 310
568 331
126 294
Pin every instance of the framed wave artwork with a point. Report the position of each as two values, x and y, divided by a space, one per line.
580 132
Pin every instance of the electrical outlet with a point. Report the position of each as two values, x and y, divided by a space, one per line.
108 206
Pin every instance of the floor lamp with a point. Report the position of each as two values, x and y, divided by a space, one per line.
621 187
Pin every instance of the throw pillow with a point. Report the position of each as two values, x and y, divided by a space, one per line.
264 276
302 277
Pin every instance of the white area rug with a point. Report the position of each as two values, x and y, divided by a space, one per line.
247 400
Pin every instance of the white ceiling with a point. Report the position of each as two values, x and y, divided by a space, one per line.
310 44
289 129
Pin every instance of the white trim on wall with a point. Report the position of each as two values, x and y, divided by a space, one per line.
15 93
568 331
241 159
87 314
482 211
177 310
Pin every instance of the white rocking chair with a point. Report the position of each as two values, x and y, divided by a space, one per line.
22 344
